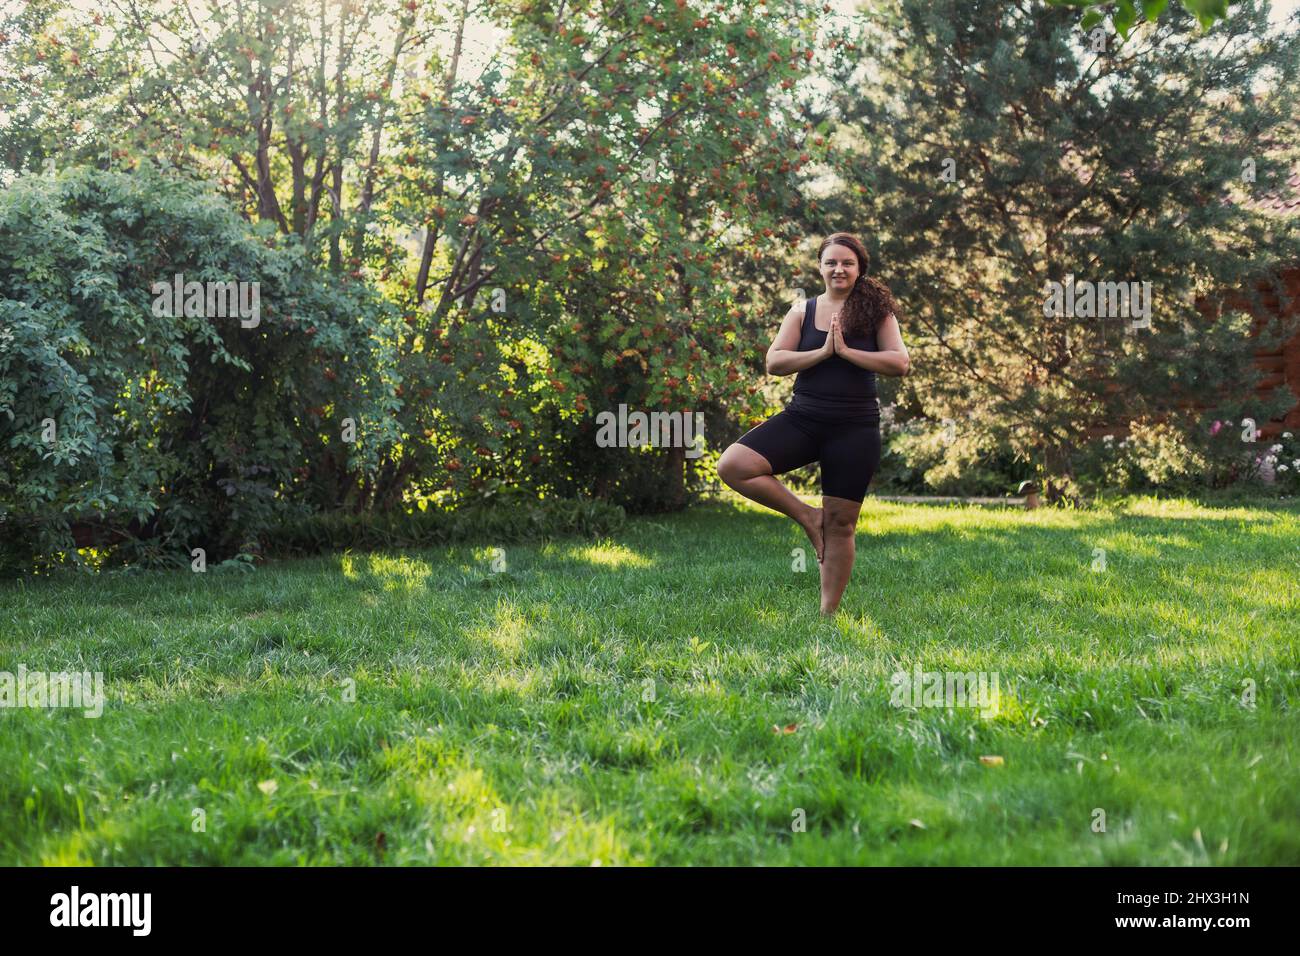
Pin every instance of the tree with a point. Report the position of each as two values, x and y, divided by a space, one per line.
1001 153
600 188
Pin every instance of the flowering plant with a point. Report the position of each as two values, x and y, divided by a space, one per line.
1282 459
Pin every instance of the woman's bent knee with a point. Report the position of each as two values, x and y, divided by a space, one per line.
728 468
738 463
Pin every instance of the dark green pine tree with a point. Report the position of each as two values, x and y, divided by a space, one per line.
1003 148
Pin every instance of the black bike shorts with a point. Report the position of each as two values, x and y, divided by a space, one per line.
849 452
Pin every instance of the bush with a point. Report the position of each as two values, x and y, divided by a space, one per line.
505 521
1160 454
924 457
146 434
562 459
1182 458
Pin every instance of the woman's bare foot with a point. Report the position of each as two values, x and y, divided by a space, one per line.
812 526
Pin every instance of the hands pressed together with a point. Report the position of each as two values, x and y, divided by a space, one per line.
834 339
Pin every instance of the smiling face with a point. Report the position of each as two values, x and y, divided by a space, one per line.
839 268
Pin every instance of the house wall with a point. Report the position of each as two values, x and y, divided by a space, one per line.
1280 367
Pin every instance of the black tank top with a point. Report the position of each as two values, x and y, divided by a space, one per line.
835 389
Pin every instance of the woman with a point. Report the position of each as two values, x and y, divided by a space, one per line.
837 342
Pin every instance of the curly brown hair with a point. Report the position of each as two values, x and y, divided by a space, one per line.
870 302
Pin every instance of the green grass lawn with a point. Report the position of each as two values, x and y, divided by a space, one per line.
613 702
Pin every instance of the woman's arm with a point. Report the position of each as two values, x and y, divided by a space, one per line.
784 357
891 359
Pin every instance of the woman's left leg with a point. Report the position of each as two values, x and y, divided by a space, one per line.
839 530
849 459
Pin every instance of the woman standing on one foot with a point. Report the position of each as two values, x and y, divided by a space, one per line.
837 342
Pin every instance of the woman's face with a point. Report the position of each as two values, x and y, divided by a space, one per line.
839 268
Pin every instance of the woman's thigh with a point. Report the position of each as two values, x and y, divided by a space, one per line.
850 455
783 441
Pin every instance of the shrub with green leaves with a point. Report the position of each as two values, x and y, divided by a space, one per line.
947 458
525 519
147 433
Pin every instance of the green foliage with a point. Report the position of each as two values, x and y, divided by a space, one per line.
552 247
603 218
1188 457
924 457
594 214
1124 13
515 518
1226 453
1159 454
151 434
1007 154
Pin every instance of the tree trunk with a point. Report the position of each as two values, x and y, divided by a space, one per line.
431 234
368 186
675 478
